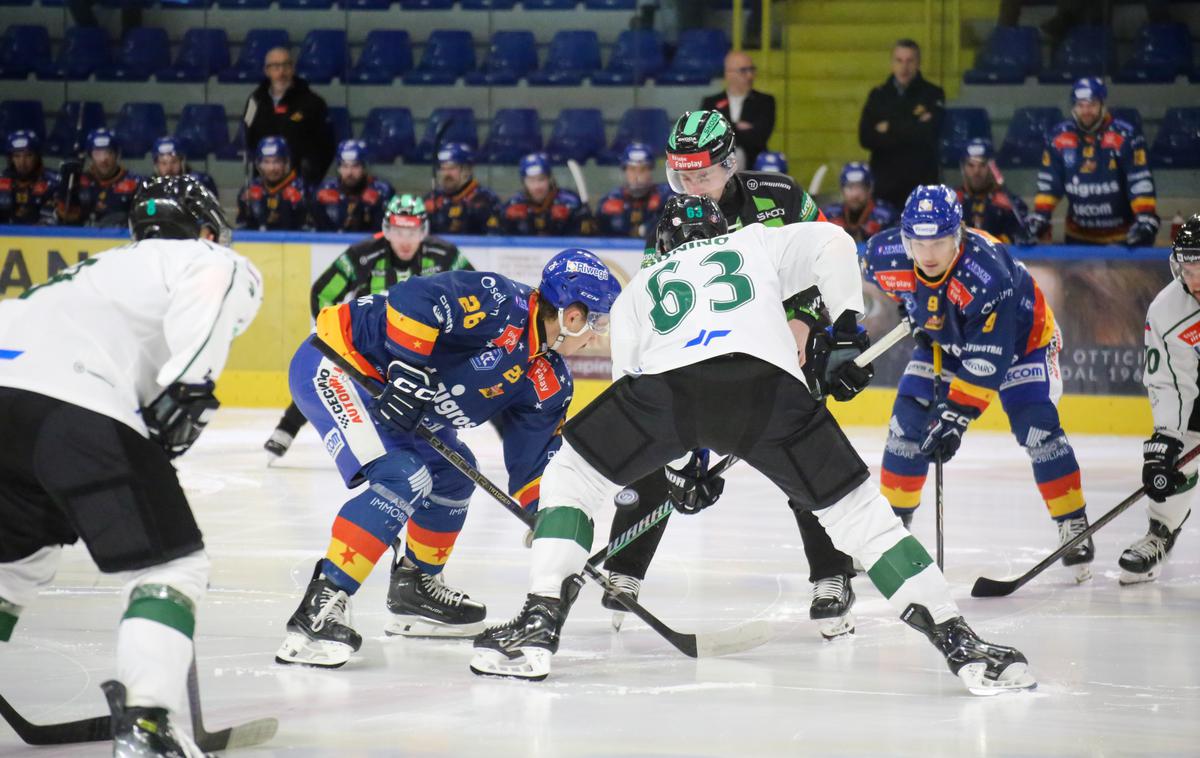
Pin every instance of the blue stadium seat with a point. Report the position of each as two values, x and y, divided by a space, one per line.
1131 116
365 5
426 5
448 55
249 66
488 5
389 135
649 125
1026 137
461 128
15 2
386 55
699 58
338 118
244 4
512 55
64 138
515 132
1011 54
610 5
24 49
578 134
574 55
202 53
202 130
143 51
306 5
1087 51
1161 52
84 51
323 56
138 125
235 149
960 126
22 114
637 56
195 4
1178 142
549 5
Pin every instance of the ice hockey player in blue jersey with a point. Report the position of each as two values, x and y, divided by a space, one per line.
353 201
987 205
276 199
27 189
542 208
859 213
632 209
451 351
169 160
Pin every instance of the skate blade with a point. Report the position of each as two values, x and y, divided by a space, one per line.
834 628
419 626
1082 572
533 665
1129 577
618 618
299 650
1015 678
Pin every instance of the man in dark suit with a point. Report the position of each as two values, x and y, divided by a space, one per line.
751 112
900 125
283 105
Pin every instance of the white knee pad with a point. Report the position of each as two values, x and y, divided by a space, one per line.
21 581
187 575
572 482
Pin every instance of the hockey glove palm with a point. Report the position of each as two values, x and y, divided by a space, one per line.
405 398
945 429
1159 475
1142 232
690 487
178 415
832 353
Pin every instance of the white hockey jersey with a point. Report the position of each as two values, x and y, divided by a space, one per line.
110 333
725 295
1173 360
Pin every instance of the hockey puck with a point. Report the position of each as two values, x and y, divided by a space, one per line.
626 499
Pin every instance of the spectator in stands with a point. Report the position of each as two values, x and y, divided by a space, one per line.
542 208
283 105
101 195
275 199
459 204
986 204
1100 164
169 160
751 112
900 124
632 209
859 213
27 189
355 200
771 162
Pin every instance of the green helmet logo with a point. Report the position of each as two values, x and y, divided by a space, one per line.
406 211
705 132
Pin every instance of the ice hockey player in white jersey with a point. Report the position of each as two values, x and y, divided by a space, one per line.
107 372
1172 378
703 359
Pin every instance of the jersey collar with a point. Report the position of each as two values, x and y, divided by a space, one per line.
285 181
537 332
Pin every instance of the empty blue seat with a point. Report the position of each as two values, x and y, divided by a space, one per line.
610 5
1026 137
1131 116
488 5
15 2
84 51
235 149
426 5
960 126
365 5
512 55
637 56
1087 51
338 118
138 125
202 130
310 5
143 51
323 56
196 4
1010 54
22 114
24 49
1178 142
699 58
249 65
549 5
578 134
448 55
515 132
648 125
574 55
389 134
1161 52
386 55
245 4
202 53
447 125
67 134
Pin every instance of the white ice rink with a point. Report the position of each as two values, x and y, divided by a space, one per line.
1119 667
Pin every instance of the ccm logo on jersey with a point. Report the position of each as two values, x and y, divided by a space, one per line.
331 387
545 383
1191 335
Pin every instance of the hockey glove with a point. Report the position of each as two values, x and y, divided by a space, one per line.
1159 475
832 353
1038 225
405 398
922 338
178 415
690 487
1142 232
945 428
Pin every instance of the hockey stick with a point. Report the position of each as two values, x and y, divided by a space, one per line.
818 177
938 463
985 587
244 735
94 729
577 177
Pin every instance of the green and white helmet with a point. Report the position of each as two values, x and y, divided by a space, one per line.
406 211
699 141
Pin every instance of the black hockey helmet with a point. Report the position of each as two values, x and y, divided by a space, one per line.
685 218
176 207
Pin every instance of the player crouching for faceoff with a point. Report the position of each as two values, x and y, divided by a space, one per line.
106 374
960 288
729 286
1172 366
452 351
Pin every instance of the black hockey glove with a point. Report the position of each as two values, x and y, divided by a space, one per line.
1159 475
405 398
944 430
691 488
1037 225
832 352
1142 231
178 415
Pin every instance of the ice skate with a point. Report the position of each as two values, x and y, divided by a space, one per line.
985 669
1080 558
832 599
631 586
277 444
522 648
145 732
1143 560
423 606
319 632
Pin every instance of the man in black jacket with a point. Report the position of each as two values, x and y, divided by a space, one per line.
751 112
283 105
900 125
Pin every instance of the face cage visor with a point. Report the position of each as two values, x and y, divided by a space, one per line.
928 232
708 175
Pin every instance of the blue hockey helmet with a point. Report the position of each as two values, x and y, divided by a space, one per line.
771 161
459 153
166 146
101 139
351 151
272 147
578 276
637 153
856 172
535 164
930 212
978 148
1088 88
23 139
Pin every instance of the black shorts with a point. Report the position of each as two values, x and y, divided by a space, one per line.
70 473
733 404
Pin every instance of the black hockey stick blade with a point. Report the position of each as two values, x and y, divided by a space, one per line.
244 735
95 729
